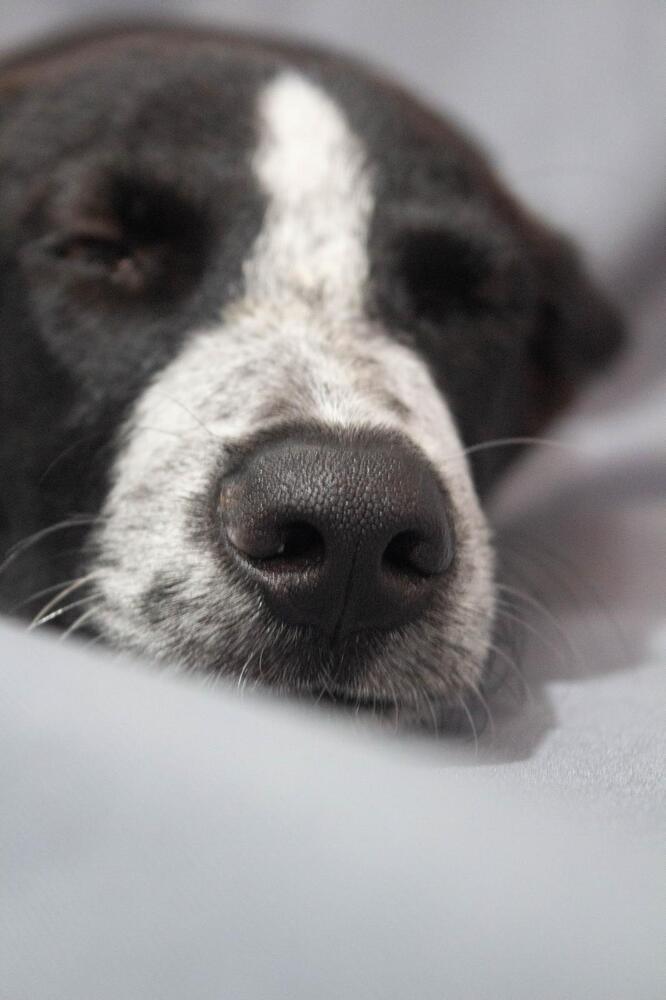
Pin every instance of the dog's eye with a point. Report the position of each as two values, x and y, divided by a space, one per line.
90 247
442 273
137 238
112 256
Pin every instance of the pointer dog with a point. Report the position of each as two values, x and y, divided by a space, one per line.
257 304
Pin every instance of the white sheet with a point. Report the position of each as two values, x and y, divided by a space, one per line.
163 841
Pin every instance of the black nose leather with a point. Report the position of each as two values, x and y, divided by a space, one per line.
340 535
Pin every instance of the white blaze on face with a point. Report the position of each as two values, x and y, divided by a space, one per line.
311 167
296 344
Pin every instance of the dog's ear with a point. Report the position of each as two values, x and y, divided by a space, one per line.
577 331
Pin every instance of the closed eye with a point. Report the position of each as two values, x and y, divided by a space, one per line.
114 260
445 273
96 251
441 271
141 238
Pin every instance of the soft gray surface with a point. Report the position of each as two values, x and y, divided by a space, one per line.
161 840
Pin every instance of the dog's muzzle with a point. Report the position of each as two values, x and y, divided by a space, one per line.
342 536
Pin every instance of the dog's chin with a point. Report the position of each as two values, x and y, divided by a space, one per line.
389 680
396 678
425 674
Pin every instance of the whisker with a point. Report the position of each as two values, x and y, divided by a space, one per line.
541 608
260 679
394 698
63 454
61 611
528 599
476 691
146 428
26 543
433 714
40 593
241 683
197 420
491 682
575 585
470 719
80 621
550 644
68 589
516 441
511 664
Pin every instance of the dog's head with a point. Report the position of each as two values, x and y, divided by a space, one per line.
257 303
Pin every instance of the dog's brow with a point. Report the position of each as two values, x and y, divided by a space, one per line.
313 245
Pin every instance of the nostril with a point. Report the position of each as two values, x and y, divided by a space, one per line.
343 536
397 556
410 553
301 543
292 546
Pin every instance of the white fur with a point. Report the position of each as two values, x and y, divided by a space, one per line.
296 344
312 248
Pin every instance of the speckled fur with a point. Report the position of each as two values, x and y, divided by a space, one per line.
297 344
207 239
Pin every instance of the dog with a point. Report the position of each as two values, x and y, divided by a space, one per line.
264 317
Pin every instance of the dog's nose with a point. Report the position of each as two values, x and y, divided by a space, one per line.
340 535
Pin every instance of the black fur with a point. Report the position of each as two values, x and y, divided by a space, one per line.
126 211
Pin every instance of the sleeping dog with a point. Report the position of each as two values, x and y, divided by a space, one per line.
263 316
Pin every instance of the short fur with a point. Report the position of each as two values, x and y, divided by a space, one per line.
206 239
